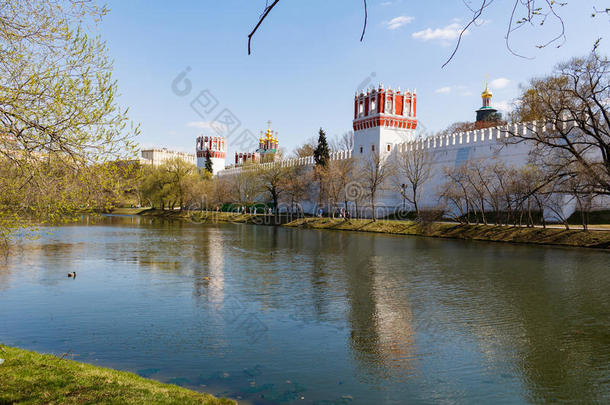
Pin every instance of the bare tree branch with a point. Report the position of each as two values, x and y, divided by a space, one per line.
366 17
476 15
260 21
533 13
269 8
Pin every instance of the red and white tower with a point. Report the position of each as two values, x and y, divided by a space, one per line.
383 118
217 148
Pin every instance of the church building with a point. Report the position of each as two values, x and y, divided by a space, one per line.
268 146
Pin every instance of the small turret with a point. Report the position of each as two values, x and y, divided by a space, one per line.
487 116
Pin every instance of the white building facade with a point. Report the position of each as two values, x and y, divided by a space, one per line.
159 156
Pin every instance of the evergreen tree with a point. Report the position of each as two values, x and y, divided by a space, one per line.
208 162
321 154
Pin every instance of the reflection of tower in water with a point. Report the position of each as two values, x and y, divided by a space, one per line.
382 336
393 319
216 262
208 267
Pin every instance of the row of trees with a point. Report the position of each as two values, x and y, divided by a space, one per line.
488 191
330 184
568 129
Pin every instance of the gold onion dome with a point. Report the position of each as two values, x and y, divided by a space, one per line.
486 93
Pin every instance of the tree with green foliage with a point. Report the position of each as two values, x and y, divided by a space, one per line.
208 162
174 183
181 175
321 154
59 121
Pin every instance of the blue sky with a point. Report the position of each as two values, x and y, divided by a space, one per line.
307 61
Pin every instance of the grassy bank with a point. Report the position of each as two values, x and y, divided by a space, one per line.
129 211
28 377
197 216
548 236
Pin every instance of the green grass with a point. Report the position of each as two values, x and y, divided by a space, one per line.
129 211
204 216
31 378
548 236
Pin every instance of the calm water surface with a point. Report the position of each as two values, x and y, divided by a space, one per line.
270 315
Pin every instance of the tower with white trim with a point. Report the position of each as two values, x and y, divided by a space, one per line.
216 146
383 118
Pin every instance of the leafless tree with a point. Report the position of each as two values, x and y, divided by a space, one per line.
581 190
221 191
306 149
457 192
337 177
373 171
343 142
414 167
246 185
297 186
568 119
557 200
453 200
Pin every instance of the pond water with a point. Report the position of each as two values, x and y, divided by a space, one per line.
271 315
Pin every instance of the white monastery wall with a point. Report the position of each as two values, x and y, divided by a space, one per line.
157 157
384 123
446 151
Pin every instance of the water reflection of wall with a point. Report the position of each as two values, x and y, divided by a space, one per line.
325 277
510 310
382 335
216 265
523 309
394 318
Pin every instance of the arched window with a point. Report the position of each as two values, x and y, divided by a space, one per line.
388 106
389 148
373 148
361 149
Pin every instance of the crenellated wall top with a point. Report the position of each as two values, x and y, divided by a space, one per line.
435 142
